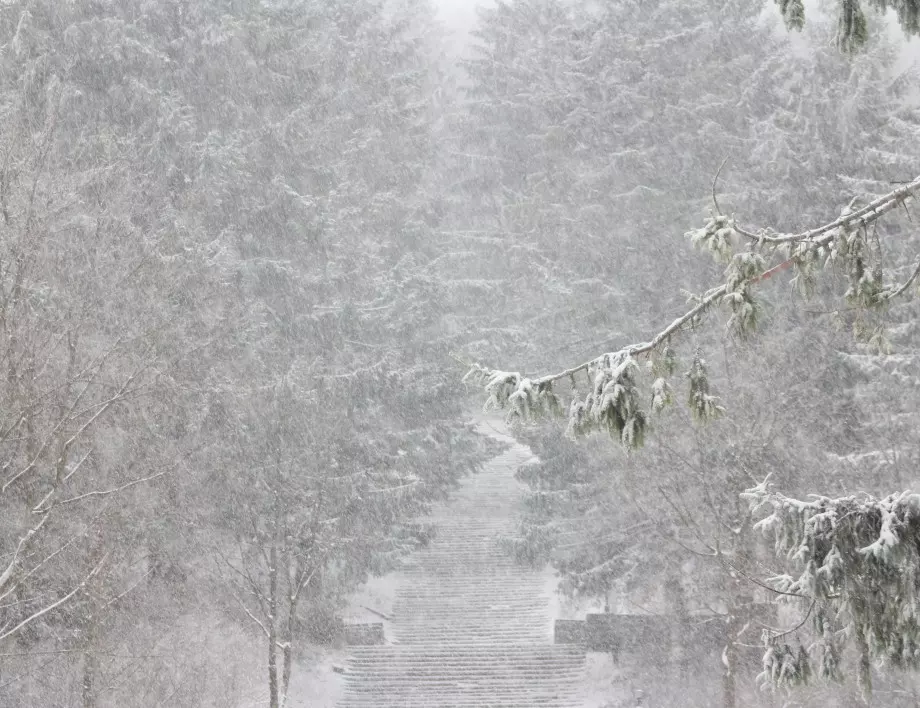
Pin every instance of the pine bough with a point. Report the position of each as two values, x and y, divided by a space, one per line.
852 27
857 559
613 402
858 568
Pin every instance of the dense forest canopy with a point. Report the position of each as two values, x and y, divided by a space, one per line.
241 240
849 255
852 25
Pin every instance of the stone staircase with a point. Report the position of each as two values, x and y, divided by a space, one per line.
470 627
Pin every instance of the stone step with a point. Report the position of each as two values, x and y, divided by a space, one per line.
449 635
440 696
509 584
405 701
370 681
484 620
494 622
482 612
422 608
502 625
488 662
448 667
528 683
472 651
406 639
450 658
453 602
459 557
442 667
466 688
470 627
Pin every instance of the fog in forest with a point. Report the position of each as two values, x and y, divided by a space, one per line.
428 354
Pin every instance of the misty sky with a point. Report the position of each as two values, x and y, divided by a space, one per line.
458 16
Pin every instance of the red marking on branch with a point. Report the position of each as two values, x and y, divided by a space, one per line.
773 271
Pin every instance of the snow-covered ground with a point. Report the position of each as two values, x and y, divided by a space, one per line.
374 602
316 683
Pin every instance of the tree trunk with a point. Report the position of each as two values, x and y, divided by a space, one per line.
728 671
739 602
93 627
864 671
286 670
90 665
273 701
288 642
733 627
680 629
737 611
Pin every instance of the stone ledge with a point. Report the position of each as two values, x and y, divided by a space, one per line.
364 635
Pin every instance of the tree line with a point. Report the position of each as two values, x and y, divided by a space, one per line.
241 238
602 137
219 223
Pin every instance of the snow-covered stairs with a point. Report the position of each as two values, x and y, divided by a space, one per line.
467 675
470 627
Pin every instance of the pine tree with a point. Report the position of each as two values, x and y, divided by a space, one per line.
852 24
220 183
873 138
342 432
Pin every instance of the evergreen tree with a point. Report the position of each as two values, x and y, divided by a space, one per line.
342 433
872 138
222 215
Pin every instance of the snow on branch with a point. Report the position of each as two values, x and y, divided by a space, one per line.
612 402
858 560
852 27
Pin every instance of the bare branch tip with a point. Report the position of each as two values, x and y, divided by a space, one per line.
715 181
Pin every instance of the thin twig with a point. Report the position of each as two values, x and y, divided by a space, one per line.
252 616
34 616
727 563
820 236
766 275
380 614
910 281
864 216
98 493
798 626
21 578
122 595
715 181
8 573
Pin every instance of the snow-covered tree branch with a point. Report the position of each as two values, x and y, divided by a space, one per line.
856 561
614 399
852 28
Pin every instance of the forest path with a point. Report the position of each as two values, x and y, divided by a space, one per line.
470 627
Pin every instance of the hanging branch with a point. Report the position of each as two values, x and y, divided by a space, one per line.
868 214
852 26
858 558
612 401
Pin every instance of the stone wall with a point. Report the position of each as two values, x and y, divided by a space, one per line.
647 635
570 632
653 636
363 635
